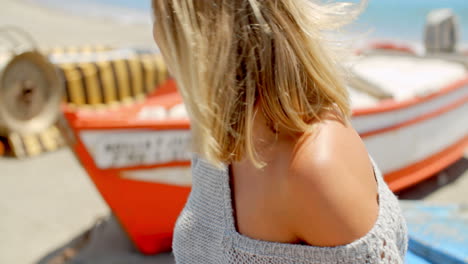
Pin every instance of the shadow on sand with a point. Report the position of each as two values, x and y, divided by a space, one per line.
104 243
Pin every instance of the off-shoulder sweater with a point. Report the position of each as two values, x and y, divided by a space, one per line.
205 231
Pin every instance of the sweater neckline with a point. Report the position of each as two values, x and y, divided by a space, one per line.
269 247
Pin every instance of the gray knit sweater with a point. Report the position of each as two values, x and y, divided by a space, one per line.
205 232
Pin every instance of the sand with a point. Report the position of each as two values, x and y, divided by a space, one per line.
47 201
53 28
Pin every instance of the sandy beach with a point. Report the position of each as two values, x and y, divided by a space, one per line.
47 201
52 27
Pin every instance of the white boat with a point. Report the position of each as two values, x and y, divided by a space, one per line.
423 127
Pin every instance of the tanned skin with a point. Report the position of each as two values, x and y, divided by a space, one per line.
317 189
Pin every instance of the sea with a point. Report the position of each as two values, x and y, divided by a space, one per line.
383 19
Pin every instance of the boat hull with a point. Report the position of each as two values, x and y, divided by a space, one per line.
413 140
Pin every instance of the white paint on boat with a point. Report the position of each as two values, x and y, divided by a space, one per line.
408 76
160 113
361 99
113 149
180 176
397 149
372 122
178 112
152 113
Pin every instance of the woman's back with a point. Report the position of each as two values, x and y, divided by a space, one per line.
328 172
206 229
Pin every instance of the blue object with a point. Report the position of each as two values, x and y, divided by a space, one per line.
438 234
411 258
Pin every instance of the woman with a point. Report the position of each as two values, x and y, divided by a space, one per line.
279 174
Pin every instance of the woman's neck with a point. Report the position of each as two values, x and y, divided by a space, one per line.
269 139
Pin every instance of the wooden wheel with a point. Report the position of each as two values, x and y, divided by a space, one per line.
30 94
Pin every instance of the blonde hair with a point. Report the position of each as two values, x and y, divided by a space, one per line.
231 58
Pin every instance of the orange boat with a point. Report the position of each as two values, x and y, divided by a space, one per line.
140 166
138 155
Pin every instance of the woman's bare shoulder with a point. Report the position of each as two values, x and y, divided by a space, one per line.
332 188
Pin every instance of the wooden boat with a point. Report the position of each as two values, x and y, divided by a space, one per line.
138 155
424 128
140 166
